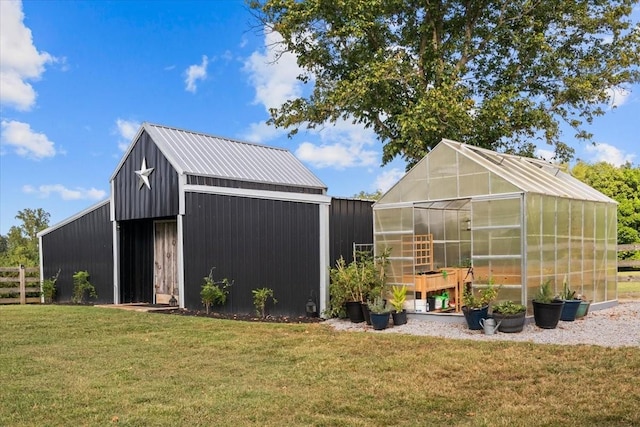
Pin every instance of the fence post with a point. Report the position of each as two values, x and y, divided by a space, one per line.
23 291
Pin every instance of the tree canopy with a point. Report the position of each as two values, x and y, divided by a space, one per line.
21 242
499 74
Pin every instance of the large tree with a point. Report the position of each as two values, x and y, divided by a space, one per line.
22 241
500 74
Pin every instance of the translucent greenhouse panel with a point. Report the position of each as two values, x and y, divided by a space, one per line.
534 262
533 217
393 220
436 224
393 242
480 217
474 184
576 256
497 185
452 225
442 188
612 253
600 274
415 190
452 252
504 272
421 221
438 255
504 212
468 166
443 162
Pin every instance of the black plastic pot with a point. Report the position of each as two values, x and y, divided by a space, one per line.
510 323
432 303
570 309
473 316
399 318
354 311
380 321
547 315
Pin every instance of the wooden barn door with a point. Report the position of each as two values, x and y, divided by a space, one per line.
165 261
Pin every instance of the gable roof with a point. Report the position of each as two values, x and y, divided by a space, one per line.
194 153
524 174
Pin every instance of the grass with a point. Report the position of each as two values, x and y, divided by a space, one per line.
66 365
628 290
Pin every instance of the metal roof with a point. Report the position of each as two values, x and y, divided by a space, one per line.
194 153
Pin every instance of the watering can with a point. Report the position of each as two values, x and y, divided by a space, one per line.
489 326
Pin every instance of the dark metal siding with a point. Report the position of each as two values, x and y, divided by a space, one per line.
350 221
222 182
83 244
136 261
257 243
132 202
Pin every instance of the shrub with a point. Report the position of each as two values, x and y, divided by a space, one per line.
214 293
49 288
260 298
81 286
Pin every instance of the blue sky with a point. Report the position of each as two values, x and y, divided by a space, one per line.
77 79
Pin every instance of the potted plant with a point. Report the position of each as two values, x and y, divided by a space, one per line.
546 308
345 291
399 296
379 313
475 307
583 309
571 303
510 316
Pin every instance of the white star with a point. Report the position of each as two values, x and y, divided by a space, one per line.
144 173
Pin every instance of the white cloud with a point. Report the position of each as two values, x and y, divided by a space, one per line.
608 153
336 155
20 60
196 72
127 129
25 141
78 193
273 74
617 96
548 155
388 179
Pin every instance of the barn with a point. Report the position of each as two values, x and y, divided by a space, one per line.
183 203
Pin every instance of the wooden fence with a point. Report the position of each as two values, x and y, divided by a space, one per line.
19 281
628 263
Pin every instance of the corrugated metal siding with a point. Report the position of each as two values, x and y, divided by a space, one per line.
257 243
349 221
83 244
132 202
136 261
221 182
200 154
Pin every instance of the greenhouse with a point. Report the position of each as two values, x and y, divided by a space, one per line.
465 216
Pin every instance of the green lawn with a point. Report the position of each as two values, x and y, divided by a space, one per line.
628 290
67 366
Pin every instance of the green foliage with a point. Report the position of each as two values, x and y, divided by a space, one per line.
49 288
378 306
487 293
567 293
214 293
623 185
368 196
508 308
360 280
260 299
493 74
81 287
545 294
399 297
20 246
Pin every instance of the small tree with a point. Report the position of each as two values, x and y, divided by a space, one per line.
81 285
260 298
49 288
214 293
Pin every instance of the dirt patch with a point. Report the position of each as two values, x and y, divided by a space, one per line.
240 316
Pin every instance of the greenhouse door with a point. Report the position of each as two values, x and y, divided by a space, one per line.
165 261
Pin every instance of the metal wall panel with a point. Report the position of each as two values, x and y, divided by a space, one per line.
350 221
85 243
136 261
255 242
135 202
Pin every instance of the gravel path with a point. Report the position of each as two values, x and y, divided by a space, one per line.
613 327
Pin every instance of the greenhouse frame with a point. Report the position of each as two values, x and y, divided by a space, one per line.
465 216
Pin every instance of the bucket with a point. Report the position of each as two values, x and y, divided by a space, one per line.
421 306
